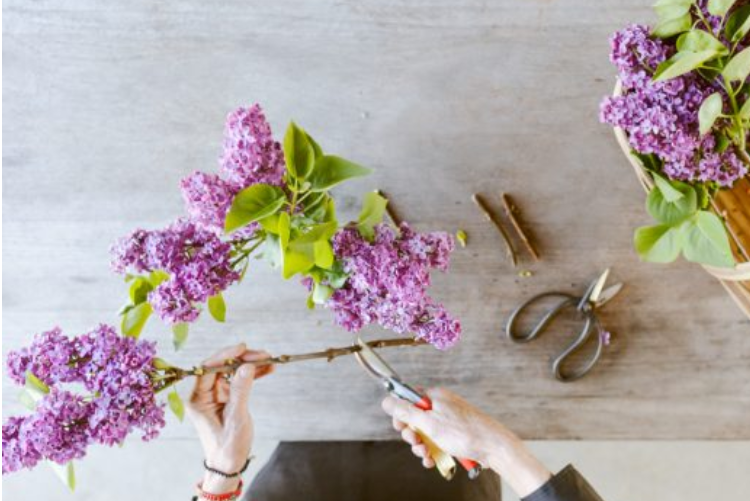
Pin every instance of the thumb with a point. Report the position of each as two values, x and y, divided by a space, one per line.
405 412
241 385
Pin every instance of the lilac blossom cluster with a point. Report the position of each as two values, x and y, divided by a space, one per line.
115 372
661 118
250 156
388 281
197 261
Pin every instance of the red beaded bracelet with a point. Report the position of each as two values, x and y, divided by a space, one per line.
226 496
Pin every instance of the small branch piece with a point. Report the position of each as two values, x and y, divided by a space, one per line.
510 207
389 209
479 201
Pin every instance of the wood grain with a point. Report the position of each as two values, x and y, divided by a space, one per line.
107 105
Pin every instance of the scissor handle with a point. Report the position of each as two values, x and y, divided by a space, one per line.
592 324
567 300
422 401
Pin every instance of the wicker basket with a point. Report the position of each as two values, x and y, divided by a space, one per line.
733 206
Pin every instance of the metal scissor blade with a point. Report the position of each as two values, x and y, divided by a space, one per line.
608 294
598 285
373 363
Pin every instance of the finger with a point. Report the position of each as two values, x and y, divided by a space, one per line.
428 462
254 355
405 412
206 382
221 390
239 388
410 437
420 450
398 425
263 371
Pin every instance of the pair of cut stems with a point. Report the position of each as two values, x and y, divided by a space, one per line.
175 374
510 210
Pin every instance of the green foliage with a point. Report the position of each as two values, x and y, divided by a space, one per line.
373 209
683 227
719 7
217 307
709 111
175 404
462 237
738 68
66 473
738 24
35 385
674 17
252 204
681 63
134 319
331 170
299 153
179 335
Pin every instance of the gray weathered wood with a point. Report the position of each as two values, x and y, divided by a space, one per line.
109 104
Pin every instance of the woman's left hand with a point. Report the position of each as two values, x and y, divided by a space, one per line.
219 410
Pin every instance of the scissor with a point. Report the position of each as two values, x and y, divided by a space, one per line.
594 298
376 367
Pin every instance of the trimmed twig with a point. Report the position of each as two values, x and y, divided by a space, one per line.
479 201
389 209
723 215
509 210
231 365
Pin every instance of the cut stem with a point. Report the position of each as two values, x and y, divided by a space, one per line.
510 211
479 201
395 219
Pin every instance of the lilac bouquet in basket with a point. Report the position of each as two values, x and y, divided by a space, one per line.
683 101
268 200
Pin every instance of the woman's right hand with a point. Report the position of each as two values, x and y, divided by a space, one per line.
463 431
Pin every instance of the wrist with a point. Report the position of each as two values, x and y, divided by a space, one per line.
217 484
511 459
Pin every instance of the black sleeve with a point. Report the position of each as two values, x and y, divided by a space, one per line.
567 485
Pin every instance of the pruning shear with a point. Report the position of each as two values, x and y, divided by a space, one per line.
376 367
594 298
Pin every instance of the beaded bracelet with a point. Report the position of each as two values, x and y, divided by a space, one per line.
226 496
228 475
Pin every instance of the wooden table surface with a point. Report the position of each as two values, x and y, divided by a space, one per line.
109 104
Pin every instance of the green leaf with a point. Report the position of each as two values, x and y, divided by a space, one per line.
738 68
658 244
706 240
331 170
28 398
703 196
670 27
179 334
709 111
296 262
285 228
299 153
272 251
323 254
671 9
35 386
671 213
321 293
318 232
156 277
139 289
161 364
270 224
719 7
217 307
134 319
253 204
738 24
176 405
698 40
373 209
310 302
315 146
671 193
745 110
66 473
681 63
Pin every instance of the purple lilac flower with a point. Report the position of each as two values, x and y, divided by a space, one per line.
197 260
661 118
388 281
251 155
115 372
207 198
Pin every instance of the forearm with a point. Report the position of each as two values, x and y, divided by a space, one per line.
509 457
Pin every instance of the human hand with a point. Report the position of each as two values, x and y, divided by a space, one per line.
463 431
219 411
